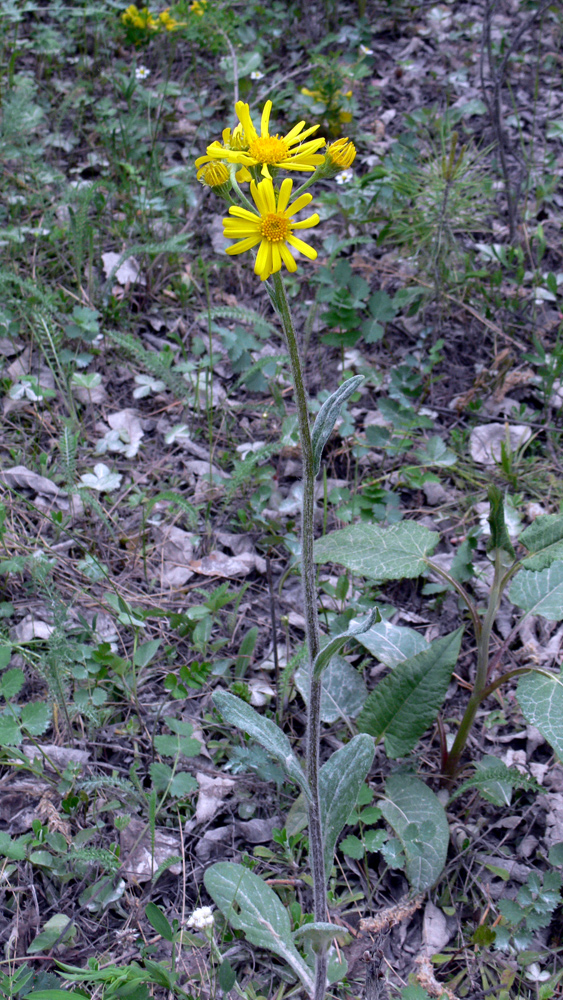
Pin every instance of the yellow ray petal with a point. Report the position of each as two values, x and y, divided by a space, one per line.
311 220
265 119
247 244
300 203
302 247
287 258
285 194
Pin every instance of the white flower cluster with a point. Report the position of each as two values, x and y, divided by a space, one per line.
200 918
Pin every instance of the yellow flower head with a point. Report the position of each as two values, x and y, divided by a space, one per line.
267 150
272 227
198 7
169 23
141 19
341 154
232 140
213 174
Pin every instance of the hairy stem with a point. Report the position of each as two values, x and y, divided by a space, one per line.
308 577
481 675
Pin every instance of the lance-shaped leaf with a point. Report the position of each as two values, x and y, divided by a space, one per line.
395 553
328 415
540 697
343 691
321 934
253 907
544 540
417 817
391 644
265 732
340 780
335 644
540 592
499 535
406 702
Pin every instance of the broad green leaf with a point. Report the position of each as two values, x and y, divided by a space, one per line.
265 732
146 652
335 644
52 931
320 933
343 691
5 656
15 850
417 817
253 907
180 743
352 847
159 921
406 702
54 995
541 699
328 415
540 592
544 541
436 452
340 780
394 553
391 644
10 732
11 683
35 717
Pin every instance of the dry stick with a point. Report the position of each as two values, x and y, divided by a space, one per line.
312 633
495 107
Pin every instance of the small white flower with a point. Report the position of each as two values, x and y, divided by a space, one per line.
344 176
201 918
364 51
256 74
142 72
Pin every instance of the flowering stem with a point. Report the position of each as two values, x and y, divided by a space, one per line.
242 196
312 634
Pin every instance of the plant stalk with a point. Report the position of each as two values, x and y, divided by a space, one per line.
481 674
312 633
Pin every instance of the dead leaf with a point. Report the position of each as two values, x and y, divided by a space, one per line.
26 479
31 628
176 554
435 933
485 442
139 864
258 831
129 426
260 691
212 791
128 272
59 757
218 564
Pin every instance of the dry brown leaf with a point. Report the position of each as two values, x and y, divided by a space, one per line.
128 272
218 564
139 864
212 791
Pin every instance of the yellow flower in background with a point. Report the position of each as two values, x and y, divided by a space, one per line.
198 7
168 22
141 19
273 227
341 153
267 150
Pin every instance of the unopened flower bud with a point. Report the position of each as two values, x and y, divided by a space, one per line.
341 154
215 174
